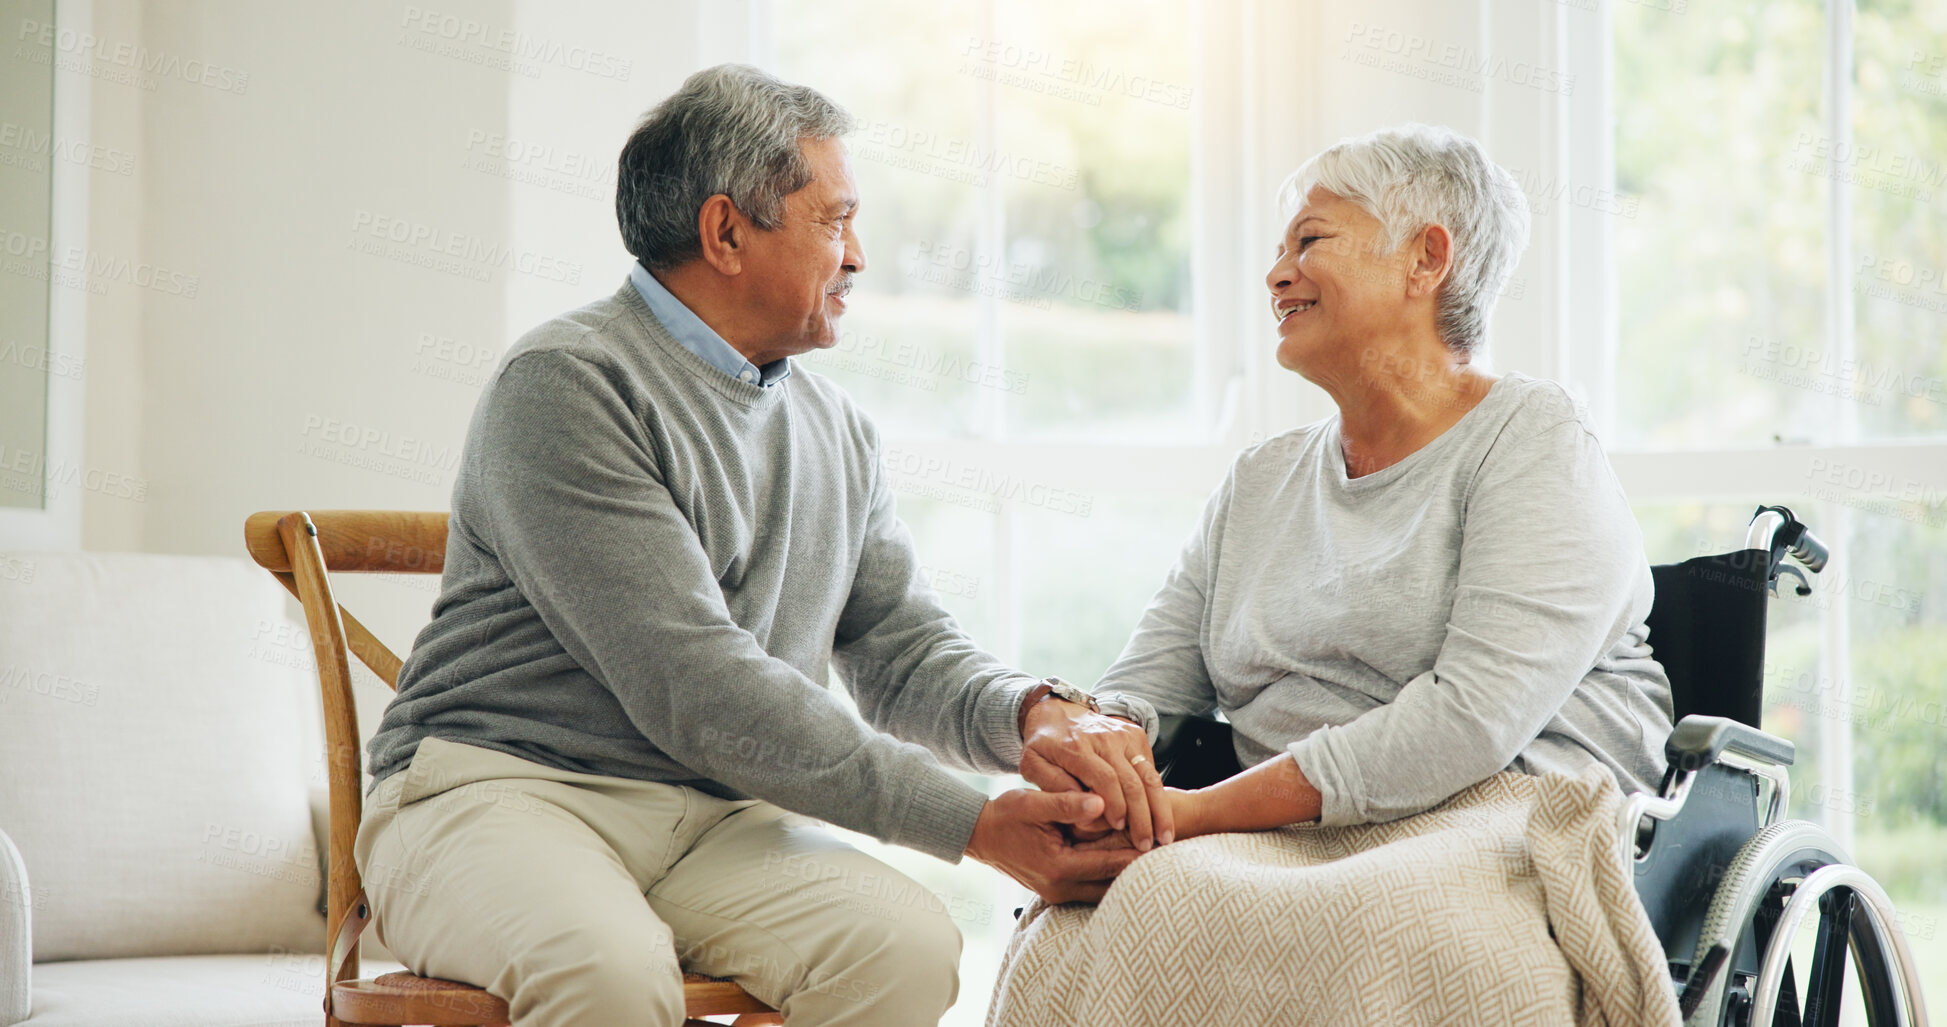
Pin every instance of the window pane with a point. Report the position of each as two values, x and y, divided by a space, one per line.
1100 91
1897 169
906 350
1894 590
1087 579
1721 274
953 535
1024 171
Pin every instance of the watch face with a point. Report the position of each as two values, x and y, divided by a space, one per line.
1069 692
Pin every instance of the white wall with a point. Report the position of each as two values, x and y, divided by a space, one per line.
268 198
113 387
280 364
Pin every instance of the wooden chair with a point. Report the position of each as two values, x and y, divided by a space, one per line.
298 548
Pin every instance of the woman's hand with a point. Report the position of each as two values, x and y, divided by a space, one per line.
1066 747
1185 809
1269 795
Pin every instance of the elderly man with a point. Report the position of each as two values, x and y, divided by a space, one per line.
609 744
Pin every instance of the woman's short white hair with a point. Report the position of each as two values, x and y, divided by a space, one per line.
1413 176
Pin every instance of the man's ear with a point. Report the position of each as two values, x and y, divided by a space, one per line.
724 231
1432 261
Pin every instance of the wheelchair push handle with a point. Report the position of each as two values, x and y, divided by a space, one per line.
1810 551
1777 532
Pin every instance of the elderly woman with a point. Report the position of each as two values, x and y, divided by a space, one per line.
1440 583
1393 606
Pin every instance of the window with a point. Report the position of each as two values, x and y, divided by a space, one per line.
1061 204
1781 311
1028 333
1026 320
1026 174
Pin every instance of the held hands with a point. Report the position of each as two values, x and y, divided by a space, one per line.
1067 748
1101 804
1185 808
1022 834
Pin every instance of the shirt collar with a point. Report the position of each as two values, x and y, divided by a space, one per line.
700 338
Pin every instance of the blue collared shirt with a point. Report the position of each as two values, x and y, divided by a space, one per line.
700 338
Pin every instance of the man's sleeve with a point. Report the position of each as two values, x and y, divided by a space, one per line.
1549 560
911 669
583 523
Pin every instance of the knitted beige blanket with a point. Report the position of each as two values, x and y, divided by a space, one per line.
1511 903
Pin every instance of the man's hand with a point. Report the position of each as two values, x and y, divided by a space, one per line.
1019 833
1066 748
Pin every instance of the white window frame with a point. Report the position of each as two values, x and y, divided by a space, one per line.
56 524
1245 101
1707 473
1255 119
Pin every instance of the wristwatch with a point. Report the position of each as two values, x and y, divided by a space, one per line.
1066 692
1056 688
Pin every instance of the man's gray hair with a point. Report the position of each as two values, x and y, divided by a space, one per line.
731 129
1413 176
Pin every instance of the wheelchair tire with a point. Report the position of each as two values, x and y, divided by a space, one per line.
1784 851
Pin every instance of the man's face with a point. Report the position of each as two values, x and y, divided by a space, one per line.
801 271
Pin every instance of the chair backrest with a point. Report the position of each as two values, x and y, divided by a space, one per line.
1707 628
299 549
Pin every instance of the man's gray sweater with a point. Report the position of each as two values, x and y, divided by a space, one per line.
649 567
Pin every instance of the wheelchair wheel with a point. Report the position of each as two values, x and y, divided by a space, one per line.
1746 908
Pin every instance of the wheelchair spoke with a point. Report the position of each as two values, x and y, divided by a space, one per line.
1827 985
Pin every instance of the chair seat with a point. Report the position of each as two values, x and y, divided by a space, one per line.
407 998
396 997
715 996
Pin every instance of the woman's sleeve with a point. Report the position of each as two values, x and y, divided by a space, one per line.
1162 669
1550 557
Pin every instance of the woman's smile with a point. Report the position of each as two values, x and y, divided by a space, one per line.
1285 310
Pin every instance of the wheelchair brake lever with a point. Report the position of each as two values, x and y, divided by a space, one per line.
1804 587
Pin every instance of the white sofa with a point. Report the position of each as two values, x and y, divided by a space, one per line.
160 796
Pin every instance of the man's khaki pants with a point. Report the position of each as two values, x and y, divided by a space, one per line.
580 899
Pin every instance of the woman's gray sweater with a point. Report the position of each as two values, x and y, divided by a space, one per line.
1475 607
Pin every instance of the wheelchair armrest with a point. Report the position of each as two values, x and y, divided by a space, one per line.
1699 741
16 936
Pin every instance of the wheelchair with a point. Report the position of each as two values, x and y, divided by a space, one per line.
1727 884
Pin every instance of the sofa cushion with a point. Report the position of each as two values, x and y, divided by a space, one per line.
267 990
153 760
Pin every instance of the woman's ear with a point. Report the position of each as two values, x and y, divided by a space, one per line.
723 232
1432 261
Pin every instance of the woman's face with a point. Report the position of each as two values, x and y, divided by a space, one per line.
1331 292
